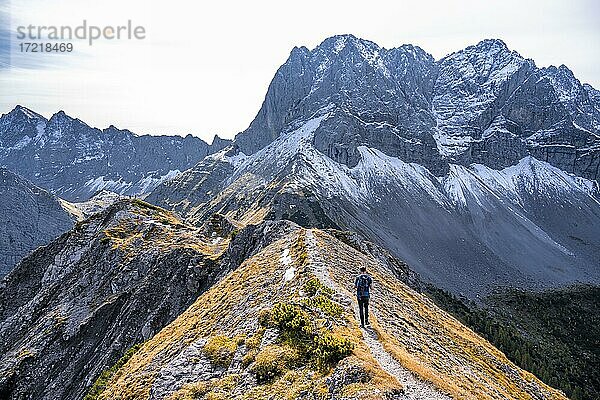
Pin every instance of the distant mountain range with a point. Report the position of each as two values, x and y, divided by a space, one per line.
73 160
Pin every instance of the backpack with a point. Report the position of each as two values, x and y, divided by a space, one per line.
362 286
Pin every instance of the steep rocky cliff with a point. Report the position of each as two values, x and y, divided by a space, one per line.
30 216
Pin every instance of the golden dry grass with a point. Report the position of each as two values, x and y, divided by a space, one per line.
423 338
427 340
144 225
222 310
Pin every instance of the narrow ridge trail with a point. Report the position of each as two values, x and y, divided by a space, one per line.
414 388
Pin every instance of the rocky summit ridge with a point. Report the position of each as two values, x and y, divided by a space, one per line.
485 104
73 160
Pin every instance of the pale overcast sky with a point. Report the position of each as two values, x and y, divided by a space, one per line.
204 67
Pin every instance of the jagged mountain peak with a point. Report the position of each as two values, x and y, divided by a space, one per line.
114 132
337 43
387 89
491 44
23 111
61 122
218 143
19 117
345 53
567 87
403 102
18 128
415 51
113 128
111 158
489 48
61 116
481 62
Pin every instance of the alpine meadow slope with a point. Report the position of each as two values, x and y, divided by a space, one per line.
300 339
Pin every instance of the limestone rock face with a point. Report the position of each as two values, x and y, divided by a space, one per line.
484 104
379 96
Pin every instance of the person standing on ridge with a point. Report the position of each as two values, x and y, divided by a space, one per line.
363 283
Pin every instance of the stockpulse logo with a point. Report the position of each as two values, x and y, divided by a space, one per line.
51 38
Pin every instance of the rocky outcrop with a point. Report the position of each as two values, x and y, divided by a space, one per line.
30 216
74 161
72 308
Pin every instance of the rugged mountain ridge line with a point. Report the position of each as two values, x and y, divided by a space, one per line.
73 160
484 104
179 362
72 308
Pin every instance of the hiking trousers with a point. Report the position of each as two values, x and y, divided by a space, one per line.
363 309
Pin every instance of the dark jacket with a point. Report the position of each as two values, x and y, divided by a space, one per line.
363 283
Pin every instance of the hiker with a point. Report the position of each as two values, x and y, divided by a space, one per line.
363 283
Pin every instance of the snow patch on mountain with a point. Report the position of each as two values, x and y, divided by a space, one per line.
29 114
102 183
224 156
449 145
144 185
270 160
381 168
529 177
149 183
